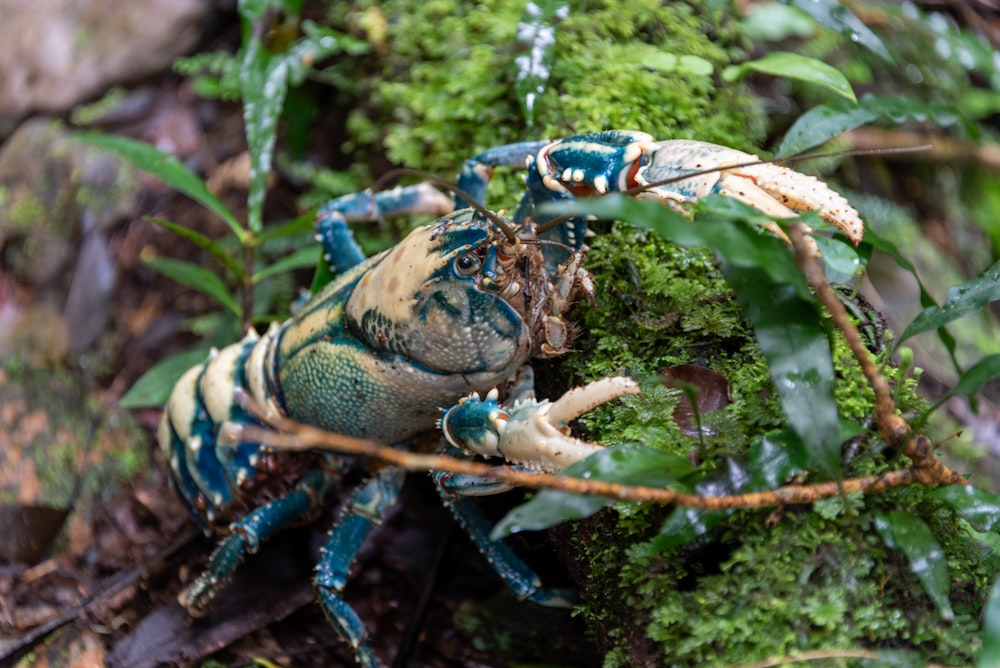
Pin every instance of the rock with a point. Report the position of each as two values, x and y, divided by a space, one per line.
55 54
49 182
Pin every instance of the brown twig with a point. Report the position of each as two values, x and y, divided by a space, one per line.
295 436
926 467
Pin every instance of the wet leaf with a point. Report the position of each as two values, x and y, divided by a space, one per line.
973 379
962 301
28 531
197 277
978 507
769 462
705 391
165 167
824 122
841 259
990 658
795 344
835 16
153 388
536 41
626 464
908 534
263 590
795 66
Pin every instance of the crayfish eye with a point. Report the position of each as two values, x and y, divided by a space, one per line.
467 264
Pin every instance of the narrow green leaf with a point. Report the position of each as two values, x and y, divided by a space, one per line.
300 224
626 464
204 242
304 257
197 277
825 121
796 66
978 507
835 16
153 388
962 300
990 658
910 535
973 379
874 241
166 168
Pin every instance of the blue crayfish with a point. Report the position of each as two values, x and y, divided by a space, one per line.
454 311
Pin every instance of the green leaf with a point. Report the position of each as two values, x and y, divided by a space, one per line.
264 80
166 168
723 223
910 535
874 241
978 507
794 342
835 16
841 258
153 388
769 462
962 300
771 22
990 658
973 379
795 66
197 277
626 464
203 242
536 42
304 257
302 223
824 122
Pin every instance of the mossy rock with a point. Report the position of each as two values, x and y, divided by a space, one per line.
762 583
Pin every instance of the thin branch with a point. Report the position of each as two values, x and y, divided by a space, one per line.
927 468
295 436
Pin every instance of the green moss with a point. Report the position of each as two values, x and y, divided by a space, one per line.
444 88
760 584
